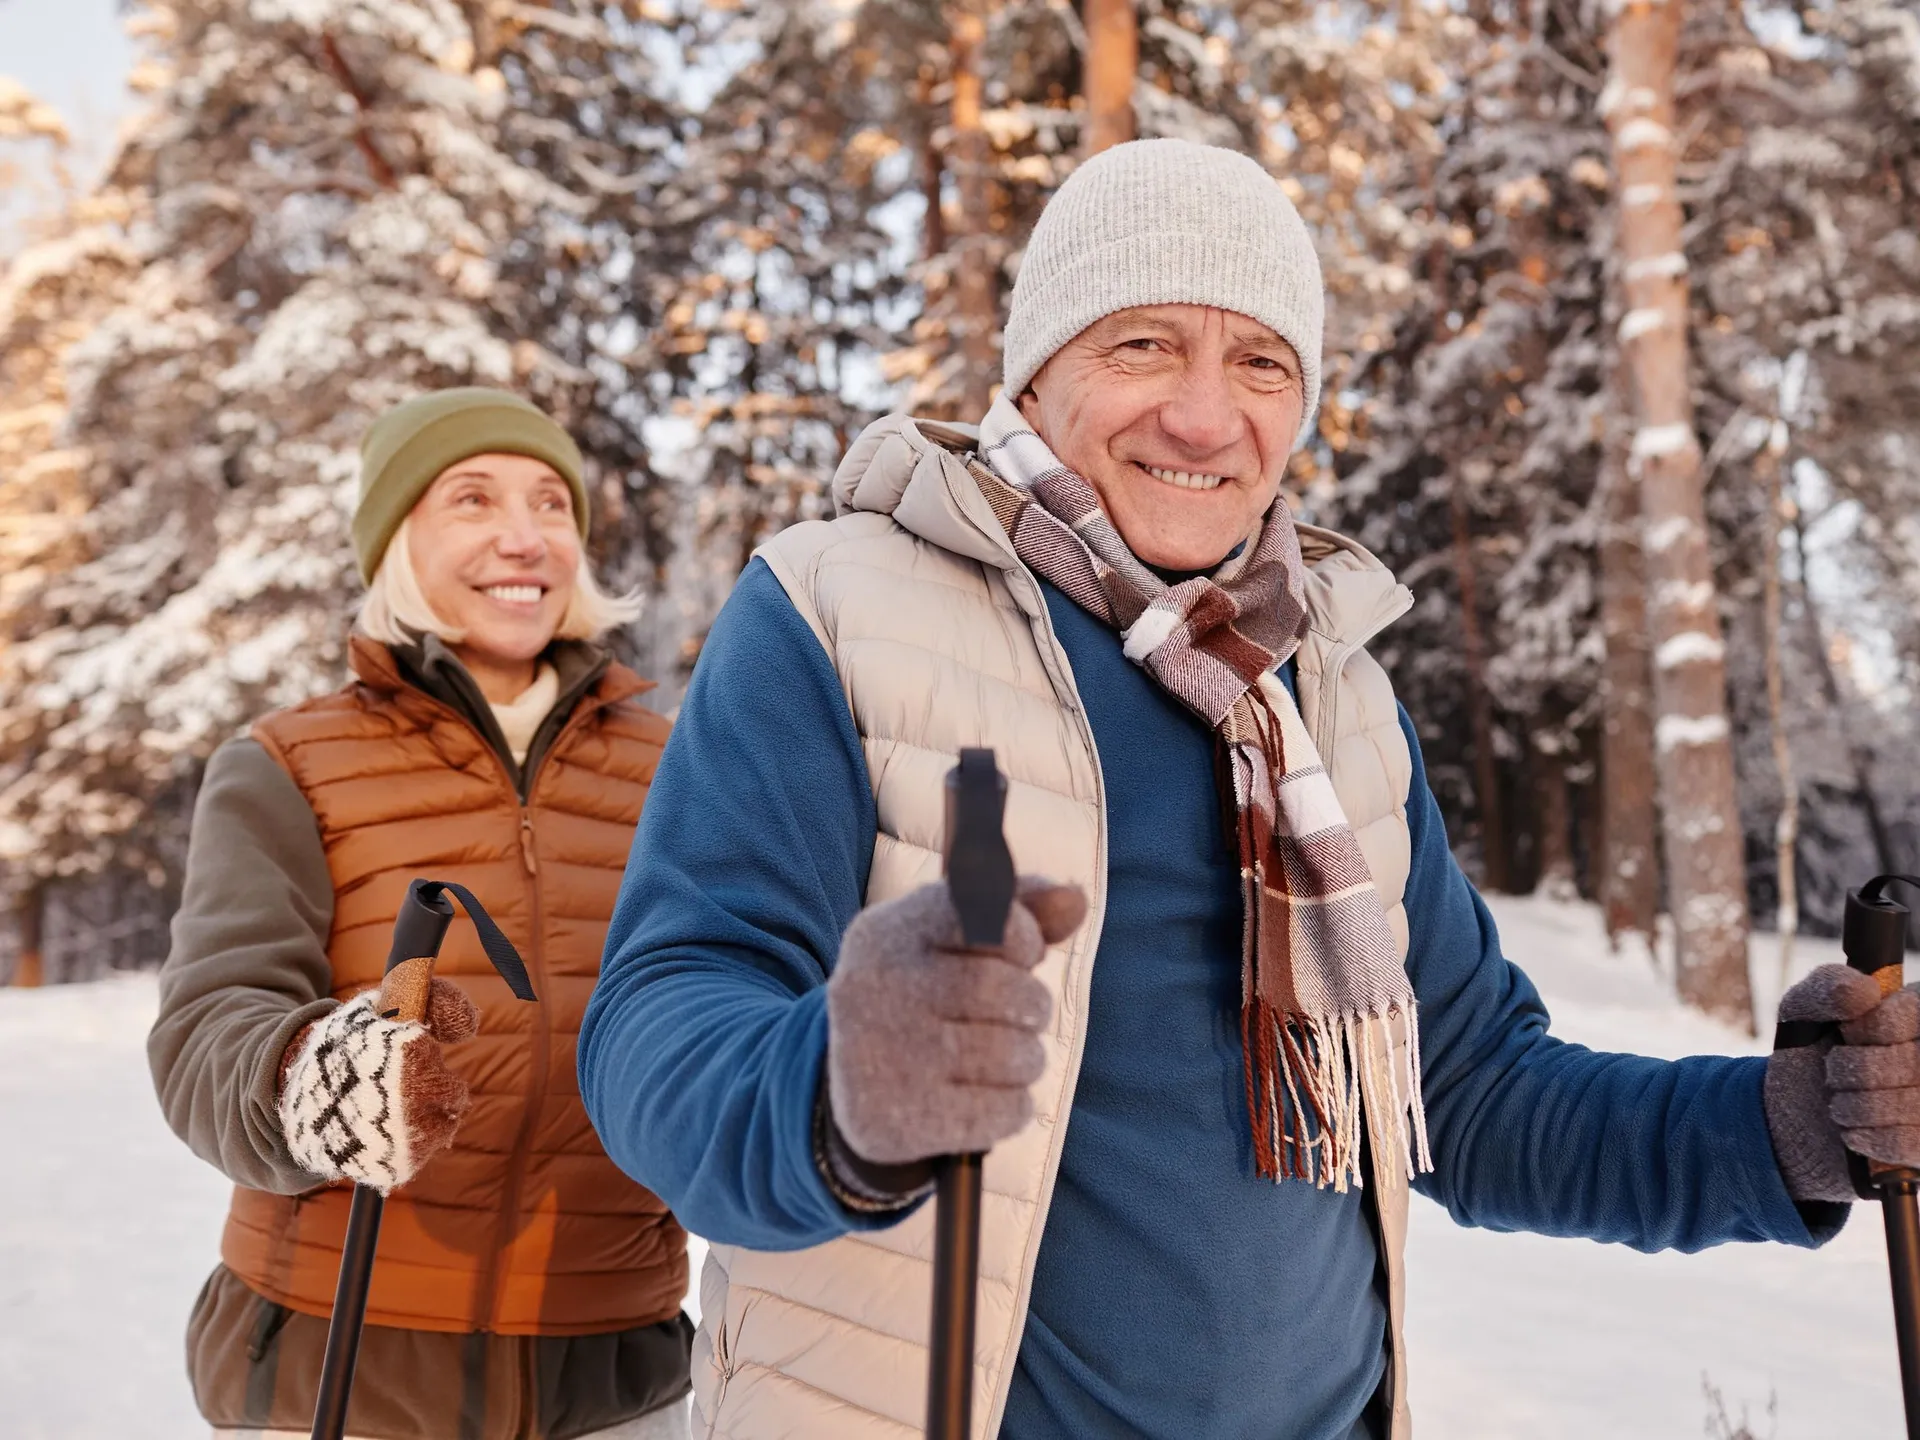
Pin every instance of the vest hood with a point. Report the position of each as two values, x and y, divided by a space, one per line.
916 471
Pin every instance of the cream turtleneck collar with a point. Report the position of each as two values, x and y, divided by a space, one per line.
519 718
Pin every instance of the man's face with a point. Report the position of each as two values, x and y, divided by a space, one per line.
1181 417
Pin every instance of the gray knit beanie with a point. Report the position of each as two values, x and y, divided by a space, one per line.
1165 222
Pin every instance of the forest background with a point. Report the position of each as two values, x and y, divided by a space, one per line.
1624 299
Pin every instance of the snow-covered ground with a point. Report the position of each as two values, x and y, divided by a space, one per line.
108 1227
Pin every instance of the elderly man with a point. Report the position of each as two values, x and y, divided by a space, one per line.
1259 1000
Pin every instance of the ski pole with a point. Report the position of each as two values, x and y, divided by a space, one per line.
418 931
1874 937
981 881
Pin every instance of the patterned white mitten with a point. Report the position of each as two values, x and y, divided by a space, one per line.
371 1100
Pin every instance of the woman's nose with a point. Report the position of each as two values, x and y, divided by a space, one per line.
519 534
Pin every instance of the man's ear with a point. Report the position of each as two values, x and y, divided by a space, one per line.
1029 404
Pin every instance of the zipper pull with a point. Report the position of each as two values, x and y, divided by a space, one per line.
526 844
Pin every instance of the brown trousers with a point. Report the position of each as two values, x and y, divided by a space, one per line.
255 1365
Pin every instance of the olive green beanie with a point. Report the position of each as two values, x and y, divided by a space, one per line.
407 448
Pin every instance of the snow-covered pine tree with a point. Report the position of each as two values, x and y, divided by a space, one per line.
319 214
1802 175
33 144
50 293
795 284
1474 470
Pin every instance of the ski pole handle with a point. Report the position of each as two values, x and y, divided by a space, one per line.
418 932
981 882
979 866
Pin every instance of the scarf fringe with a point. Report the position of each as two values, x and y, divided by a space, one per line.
1312 1081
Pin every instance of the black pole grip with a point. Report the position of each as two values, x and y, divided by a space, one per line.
421 926
1874 931
980 874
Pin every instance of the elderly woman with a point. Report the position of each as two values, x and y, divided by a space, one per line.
524 1287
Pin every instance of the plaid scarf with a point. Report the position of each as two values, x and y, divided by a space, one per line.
1321 976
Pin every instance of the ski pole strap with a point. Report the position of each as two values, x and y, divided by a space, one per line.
493 940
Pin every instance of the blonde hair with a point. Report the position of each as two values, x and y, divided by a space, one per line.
395 610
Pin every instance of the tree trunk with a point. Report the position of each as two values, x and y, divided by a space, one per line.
1706 881
1495 856
1111 66
29 966
933 227
1629 818
1556 880
976 301
1786 833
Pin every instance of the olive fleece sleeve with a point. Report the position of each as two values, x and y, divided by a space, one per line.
247 968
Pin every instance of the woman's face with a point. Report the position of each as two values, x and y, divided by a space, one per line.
495 547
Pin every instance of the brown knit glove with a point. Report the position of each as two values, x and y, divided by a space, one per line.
1862 1094
931 1047
371 1100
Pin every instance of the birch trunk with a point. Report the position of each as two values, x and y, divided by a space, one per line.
977 302
1112 64
1706 881
1629 848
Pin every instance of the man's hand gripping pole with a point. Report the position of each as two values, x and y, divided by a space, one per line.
1874 937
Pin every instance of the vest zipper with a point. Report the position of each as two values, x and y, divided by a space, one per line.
487 1282
492 1273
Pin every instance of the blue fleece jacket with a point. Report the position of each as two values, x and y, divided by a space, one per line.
1176 1294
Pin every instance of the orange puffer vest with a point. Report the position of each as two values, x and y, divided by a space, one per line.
523 1226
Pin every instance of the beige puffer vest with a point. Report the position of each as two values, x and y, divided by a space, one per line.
942 640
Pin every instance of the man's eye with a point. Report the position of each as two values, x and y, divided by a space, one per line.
1143 342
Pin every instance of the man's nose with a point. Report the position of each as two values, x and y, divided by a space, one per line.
1202 414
